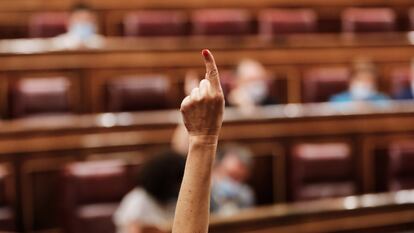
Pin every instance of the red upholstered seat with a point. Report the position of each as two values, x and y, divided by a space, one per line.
368 20
48 24
400 79
155 23
321 170
320 83
411 18
137 93
227 79
40 96
401 165
91 193
7 200
282 21
231 22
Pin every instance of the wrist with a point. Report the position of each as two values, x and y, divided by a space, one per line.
204 139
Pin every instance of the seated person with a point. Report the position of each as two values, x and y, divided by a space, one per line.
231 170
152 203
82 30
230 193
251 86
362 86
408 92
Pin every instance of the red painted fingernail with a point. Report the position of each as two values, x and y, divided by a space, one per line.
205 52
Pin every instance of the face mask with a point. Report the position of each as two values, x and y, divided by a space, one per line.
227 187
360 91
83 31
227 190
257 91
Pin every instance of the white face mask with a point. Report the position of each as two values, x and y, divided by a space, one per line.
83 31
361 91
256 90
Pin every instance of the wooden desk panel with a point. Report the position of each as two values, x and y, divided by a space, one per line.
243 3
366 213
111 12
38 147
286 57
40 5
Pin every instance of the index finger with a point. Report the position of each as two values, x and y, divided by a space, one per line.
212 73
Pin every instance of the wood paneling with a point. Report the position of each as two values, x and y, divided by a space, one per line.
285 57
111 12
39 5
39 147
351 214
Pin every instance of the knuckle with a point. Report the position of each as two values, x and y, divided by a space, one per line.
218 98
213 72
184 106
204 100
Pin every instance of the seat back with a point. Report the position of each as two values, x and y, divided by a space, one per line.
400 80
319 84
155 23
48 24
40 96
401 165
7 199
137 93
321 170
89 181
368 20
411 18
283 21
229 22
91 193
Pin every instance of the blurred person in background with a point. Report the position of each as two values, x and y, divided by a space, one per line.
251 87
232 169
150 206
408 92
82 29
179 140
363 85
232 166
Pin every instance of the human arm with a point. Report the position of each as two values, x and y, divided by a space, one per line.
202 114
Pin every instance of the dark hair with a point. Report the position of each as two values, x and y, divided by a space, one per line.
81 7
161 176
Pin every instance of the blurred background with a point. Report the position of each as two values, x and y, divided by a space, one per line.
318 134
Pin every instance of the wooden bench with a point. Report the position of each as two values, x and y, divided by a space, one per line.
39 148
16 14
287 58
386 212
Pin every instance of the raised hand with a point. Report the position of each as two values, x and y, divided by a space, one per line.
203 109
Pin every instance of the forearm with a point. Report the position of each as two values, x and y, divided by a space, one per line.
202 113
192 213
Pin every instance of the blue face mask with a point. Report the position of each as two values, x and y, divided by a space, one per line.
227 190
83 30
